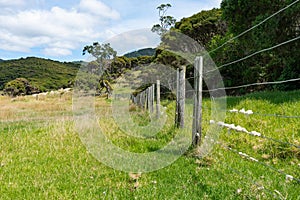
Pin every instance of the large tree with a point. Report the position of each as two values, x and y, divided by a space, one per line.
280 63
104 54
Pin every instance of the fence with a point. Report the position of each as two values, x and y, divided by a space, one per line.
196 131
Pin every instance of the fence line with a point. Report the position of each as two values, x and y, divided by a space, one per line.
244 155
180 91
239 128
253 84
250 112
253 54
242 86
276 13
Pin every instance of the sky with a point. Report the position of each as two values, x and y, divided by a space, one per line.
59 29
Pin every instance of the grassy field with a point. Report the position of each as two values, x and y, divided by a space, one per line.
42 156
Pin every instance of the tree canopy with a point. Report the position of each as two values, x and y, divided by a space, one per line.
166 21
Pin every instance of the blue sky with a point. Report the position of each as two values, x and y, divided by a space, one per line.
59 29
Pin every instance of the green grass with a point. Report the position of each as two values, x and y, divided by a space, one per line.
44 158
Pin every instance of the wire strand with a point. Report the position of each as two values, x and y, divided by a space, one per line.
252 133
261 163
276 13
253 84
253 54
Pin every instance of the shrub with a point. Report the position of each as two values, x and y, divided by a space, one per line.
19 86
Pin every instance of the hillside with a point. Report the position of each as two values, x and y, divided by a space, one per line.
43 73
141 52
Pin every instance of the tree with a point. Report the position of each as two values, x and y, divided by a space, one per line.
100 52
203 26
166 21
281 63
103 54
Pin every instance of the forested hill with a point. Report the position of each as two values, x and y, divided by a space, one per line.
45 74
141 52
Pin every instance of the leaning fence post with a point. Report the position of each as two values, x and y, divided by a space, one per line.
197 111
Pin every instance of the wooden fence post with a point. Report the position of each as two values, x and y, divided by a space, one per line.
177 97
142 100
152 98
197 111
181 103
147 99
158 99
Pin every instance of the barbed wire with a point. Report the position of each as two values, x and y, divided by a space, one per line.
263 21
253 54
253 84
242 86
238 128
250 112
276 115
287 176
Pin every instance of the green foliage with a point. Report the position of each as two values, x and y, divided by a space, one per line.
281 63
166 57
44 74
100 52
19 86
166 21
203 26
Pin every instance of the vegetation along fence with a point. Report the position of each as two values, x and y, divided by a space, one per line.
146 100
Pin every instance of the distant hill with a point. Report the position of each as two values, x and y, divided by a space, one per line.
141 52
46 74
1 60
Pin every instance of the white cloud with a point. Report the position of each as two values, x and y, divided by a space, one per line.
133 40
58 30
56 52
98 8
10 3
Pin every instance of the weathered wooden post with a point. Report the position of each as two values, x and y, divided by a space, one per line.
177 96
181 107
144 99
152 98
158 99
197 112
147 99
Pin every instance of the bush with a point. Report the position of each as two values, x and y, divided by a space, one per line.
19 86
